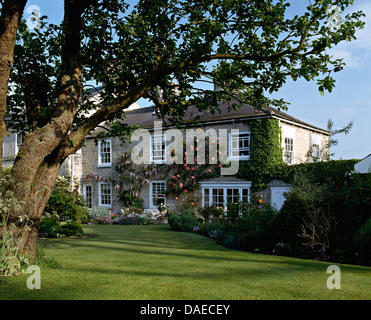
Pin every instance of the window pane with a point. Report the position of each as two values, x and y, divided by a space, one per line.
105 152
315 151
158 148
206 197
240 145
232 195
288 152
158 193
105 194
245 195
88 196
218 197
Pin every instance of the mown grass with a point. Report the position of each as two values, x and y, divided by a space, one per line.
153 262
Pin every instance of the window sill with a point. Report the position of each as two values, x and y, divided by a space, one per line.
105 206
158 162
238 158
104 165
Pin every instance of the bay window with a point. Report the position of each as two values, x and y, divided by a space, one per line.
221 193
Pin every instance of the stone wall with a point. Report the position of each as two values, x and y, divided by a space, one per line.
89 163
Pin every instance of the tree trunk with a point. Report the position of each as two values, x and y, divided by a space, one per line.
34 203
11 13
38 162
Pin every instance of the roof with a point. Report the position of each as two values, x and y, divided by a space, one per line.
364 165
146 116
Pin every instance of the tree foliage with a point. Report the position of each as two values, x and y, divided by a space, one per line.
245 47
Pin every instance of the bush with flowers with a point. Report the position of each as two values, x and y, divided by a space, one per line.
182 179
126 216
104 219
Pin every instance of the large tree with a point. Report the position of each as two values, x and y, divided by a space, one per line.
249 48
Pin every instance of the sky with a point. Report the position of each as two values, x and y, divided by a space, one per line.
349 101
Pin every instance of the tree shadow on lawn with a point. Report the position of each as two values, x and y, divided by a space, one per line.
207 254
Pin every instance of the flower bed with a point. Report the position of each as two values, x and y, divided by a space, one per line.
127 217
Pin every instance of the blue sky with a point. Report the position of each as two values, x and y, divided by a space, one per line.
350 100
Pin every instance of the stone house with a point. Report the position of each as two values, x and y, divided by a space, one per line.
297 142
99 158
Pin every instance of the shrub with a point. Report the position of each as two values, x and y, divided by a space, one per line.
49 228
362 238
287 224
72 229
125 220
184 222
245 226
66 203
211 213
362 241
215 230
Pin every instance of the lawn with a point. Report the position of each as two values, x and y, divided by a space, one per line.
153 262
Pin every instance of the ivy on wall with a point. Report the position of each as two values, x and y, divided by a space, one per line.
266 160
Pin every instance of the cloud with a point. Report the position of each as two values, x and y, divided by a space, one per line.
358 51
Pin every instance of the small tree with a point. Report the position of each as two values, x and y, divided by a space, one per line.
324 153
319 221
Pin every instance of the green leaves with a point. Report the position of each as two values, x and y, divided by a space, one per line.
248 48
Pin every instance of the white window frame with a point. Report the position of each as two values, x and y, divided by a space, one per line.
151 195
106 205
289 151
100 163
231 149
17 145
289 133
316 141
85 194
240 185
163 158
316 153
